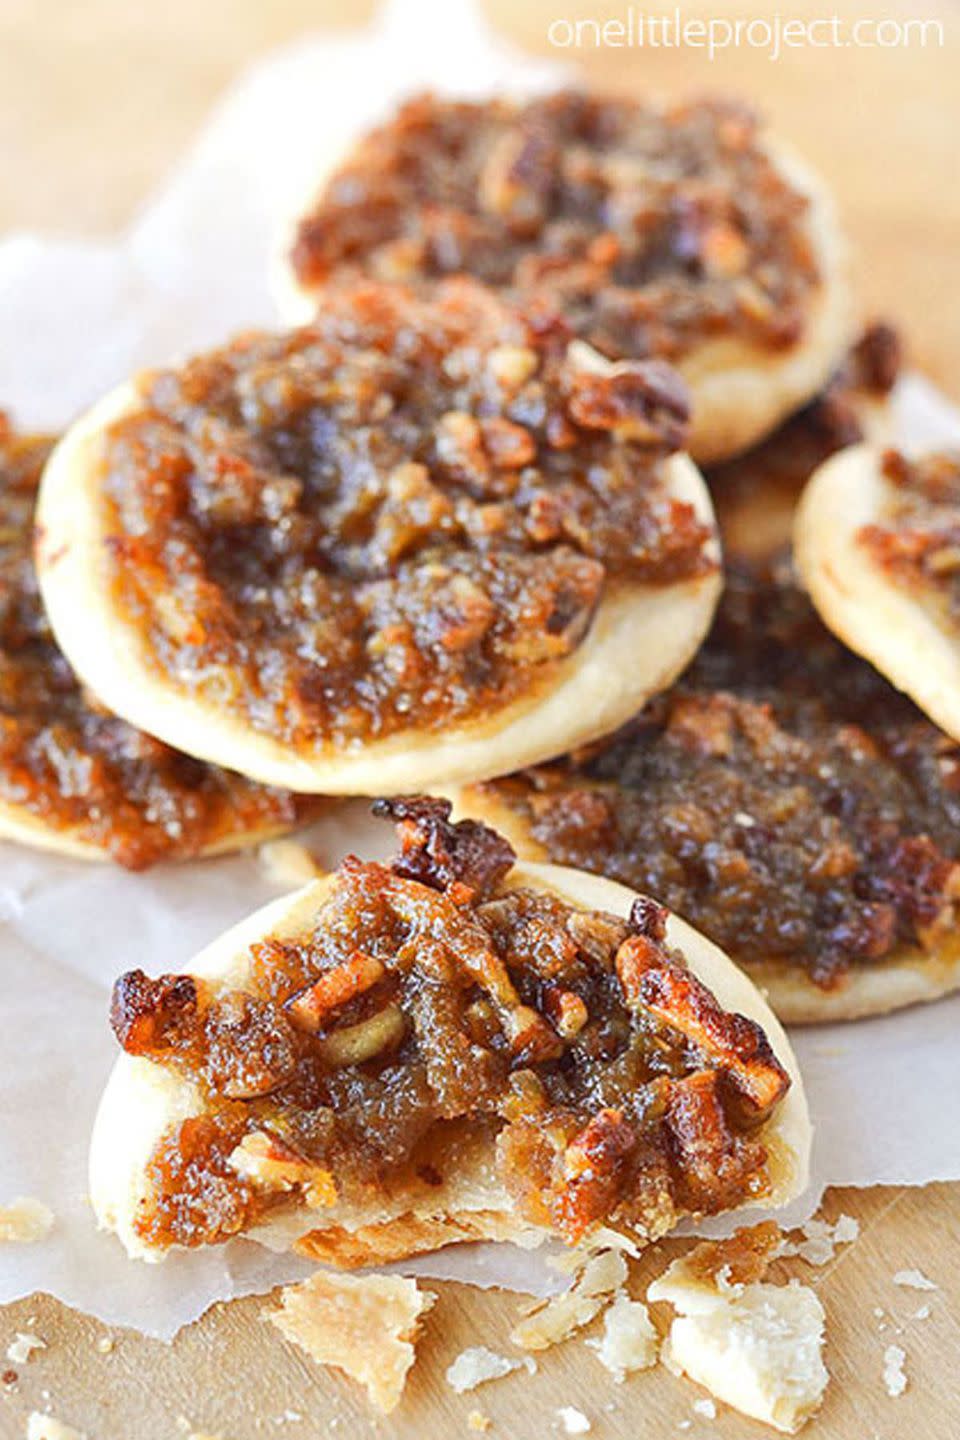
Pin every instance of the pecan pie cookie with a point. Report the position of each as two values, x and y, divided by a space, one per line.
73 777
783 798
418 541
683 233
448 1047
878 543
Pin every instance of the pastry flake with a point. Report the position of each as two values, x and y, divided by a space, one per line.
364 1325
753 1345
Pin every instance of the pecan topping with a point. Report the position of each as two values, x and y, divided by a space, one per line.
654 229
878 357
916 539
428 532
311 1006
144 1012
437 852
643 401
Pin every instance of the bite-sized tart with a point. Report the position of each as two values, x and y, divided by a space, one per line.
783 798
756 495
73 778
419 540
878 544
682 232
448 1047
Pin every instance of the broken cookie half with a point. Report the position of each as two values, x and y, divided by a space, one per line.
448 1047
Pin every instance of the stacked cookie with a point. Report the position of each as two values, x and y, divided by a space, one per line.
453 527
458 532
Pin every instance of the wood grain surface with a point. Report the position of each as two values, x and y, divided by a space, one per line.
96 100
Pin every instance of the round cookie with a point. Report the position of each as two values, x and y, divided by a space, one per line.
876 542
784 798
683 232
735 1083
418 541
74 778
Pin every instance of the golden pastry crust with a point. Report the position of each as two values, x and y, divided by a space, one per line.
640 637
22 827
143 1100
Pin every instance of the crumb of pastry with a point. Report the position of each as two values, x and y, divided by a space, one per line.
598 1279
894 1376
48 1427
573 1420
913 1280
365 1325
23 1345
820 1239
754 1345
24 1221
477 1365
288 862
629 1341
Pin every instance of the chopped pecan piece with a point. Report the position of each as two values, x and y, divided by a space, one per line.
144 1012
517 178
649 919
710 1161
566 1010
734 1042
596 1166
645 401
353 1044
310 1007
437 852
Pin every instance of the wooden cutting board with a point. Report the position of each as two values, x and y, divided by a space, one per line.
96 101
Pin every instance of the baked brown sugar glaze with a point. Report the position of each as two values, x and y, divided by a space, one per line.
69 763
917 540
404 515
783 797
654 230
429 994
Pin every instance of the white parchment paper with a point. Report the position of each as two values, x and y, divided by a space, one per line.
74 319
